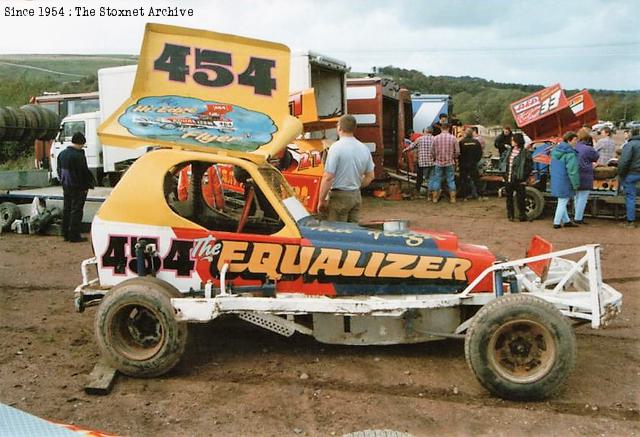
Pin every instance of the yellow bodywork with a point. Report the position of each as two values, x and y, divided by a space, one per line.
139 196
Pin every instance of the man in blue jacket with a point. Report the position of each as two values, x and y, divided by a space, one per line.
76 180
629 173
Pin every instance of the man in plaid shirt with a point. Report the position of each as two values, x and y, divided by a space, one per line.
444 153
425 160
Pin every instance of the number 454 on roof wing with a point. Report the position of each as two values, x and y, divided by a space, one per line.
206 91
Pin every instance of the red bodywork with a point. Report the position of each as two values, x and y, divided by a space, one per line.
548 112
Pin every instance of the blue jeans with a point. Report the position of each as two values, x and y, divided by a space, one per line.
436 178
561 216
580 202
629 186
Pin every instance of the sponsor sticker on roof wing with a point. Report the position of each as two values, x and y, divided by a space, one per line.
194 121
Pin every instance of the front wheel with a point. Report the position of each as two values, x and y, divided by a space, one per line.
136 330
520 347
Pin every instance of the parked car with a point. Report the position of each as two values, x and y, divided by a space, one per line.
633 124
602 124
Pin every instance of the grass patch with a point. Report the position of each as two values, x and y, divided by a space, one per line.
22 163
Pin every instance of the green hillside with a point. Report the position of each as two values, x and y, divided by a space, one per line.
24 76
61 67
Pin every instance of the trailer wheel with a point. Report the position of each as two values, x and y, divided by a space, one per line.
136 330
9 212
520 347
534 203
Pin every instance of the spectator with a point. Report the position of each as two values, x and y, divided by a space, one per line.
425 157
470 155
479 138
442 119
587 156
444 153
348 168
503 140
627 137
588 139
629 173
517 163
76 180
605 147
565 178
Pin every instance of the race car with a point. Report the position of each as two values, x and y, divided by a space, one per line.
193 232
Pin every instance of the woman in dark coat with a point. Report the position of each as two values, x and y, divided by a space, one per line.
518 163
565 178
587 155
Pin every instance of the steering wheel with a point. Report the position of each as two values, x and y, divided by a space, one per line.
247 207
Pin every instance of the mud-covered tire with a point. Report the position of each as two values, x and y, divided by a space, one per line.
136 330
9 212
520 347
534 203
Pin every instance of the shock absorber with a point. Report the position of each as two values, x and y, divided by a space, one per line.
140 257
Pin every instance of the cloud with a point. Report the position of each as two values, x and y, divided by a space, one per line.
579 43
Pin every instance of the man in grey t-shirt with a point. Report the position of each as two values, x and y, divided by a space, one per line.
348 168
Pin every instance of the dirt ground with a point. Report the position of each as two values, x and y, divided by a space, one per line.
237 379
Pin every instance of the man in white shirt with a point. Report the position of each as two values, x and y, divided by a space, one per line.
348 168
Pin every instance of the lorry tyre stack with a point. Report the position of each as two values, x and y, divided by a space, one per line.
28 123
520 347
38 121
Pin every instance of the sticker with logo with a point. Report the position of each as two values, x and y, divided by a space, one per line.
192 121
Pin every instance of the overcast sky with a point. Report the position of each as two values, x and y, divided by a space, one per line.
579 43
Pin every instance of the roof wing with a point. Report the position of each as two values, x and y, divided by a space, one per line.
206 91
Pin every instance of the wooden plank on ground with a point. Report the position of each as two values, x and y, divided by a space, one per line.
101 379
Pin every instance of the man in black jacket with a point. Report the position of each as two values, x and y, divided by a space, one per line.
629 173
76 180
503 140
517 163
470 156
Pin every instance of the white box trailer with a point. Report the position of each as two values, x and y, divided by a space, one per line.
427 109
326 75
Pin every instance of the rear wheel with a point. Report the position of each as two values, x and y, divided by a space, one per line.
520 347
533 202
136 329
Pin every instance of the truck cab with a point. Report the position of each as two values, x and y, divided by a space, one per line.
87 124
